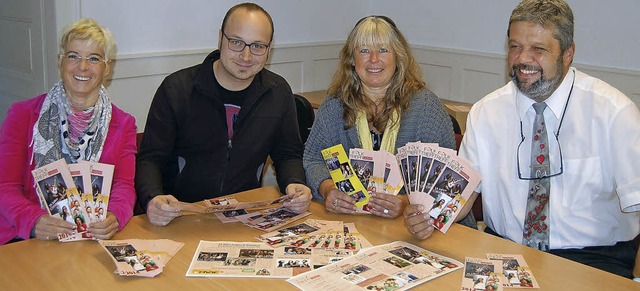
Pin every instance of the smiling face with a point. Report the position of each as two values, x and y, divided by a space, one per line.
375 66
235 70
82 80
538 65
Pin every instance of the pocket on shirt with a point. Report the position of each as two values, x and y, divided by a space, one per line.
581 178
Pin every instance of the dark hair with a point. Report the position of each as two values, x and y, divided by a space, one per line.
249 7
551 14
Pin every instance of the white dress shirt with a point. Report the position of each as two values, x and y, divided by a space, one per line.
596 200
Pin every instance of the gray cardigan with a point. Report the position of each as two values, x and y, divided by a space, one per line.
425 120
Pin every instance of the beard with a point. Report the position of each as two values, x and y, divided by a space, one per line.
543 87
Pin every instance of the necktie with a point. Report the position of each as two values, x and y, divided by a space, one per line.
536 224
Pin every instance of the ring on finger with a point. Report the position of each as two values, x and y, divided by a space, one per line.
48 238
385 211
335 203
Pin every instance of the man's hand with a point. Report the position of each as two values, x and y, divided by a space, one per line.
419 223
301 197
160 211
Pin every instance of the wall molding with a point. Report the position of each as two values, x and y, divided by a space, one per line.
458 75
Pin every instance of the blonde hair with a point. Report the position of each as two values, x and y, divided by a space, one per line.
407 78
89 30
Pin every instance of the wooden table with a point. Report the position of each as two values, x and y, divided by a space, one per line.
42 265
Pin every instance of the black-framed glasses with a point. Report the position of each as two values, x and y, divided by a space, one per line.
76 58
238 45
543 174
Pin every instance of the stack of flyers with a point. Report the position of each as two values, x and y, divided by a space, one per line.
515 270
343 176
482 274
229 215
257 260
318 234
395 266
136 257
438 179
270 219
226 204
78 193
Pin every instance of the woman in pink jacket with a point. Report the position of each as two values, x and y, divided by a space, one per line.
75 121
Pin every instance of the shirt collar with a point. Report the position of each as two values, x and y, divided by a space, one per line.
555 102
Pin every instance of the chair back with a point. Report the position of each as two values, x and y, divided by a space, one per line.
457 131
306 115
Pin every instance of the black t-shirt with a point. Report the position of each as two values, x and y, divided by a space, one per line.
232 101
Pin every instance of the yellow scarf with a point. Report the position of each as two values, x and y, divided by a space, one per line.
388 136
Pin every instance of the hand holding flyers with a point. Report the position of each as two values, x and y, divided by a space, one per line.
79 194
437 179
346 181
433 177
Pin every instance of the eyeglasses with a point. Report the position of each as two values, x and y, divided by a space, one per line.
76 58
542 174
237 45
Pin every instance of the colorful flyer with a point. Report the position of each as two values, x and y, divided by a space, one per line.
344 176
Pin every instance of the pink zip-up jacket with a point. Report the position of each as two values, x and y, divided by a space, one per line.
19 204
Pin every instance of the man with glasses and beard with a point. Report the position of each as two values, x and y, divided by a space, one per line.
558 150
211 127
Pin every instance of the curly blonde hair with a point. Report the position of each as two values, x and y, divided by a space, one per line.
346 85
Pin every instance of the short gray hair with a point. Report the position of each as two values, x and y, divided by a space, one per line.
551 14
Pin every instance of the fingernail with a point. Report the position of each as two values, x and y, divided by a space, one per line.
420 208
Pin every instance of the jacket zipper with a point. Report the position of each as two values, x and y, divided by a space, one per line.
230 145
224 169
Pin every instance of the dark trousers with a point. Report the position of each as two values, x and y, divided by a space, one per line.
617 259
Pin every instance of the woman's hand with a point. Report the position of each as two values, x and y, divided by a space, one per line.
385 205
419 224
47 227
337 201
104 229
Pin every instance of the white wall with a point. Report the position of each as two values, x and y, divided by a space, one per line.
150 26
460 44
606 31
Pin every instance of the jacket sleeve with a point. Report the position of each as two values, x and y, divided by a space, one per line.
321 137
18 211
157 146
123 194
287 151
